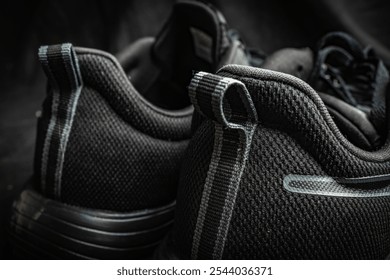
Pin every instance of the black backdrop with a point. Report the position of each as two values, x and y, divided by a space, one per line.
111 25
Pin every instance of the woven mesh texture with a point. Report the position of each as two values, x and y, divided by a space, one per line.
323 227
378 117
295 137
110 165
193 174
122 154
101 73
271 223
286 108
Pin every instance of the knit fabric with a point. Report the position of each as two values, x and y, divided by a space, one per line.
122 153
295 135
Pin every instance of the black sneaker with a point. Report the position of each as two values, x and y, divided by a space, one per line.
108 147
269 174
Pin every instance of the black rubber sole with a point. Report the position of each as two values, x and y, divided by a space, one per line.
42 228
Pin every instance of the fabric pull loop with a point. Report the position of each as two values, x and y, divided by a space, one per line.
62 69
227 102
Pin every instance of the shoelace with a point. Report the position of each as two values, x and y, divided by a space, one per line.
352 79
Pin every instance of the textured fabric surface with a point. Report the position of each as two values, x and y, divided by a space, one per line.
60 65
103 73
351 81
295 136
110 165
270 223
28 25
122 154
327 227
228 103
192 175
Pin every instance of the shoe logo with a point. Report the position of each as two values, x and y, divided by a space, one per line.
373 186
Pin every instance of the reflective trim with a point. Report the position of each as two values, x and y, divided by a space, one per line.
374 186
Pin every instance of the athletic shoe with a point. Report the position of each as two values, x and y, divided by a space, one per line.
108 147
270 174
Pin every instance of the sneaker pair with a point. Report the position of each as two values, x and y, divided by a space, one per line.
266 166
111 139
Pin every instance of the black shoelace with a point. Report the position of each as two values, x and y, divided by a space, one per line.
348 71
351 79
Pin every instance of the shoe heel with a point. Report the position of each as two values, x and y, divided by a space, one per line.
42 228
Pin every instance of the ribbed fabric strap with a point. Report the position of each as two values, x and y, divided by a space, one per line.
61 67
227 102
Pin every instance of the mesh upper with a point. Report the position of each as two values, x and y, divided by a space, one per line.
122 154
193 173
294 136
102 74
270 223
110 165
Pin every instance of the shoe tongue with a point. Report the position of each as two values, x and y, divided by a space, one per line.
194 38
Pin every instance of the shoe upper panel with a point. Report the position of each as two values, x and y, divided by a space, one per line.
102 144
103 73
270 222
192 177
290 105
297 137
305 191
111 165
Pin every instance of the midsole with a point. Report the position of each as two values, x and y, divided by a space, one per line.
87 232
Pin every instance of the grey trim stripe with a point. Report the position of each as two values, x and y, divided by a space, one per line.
207 85
212 167
207 190
230 200
375 186
53 118
66 87
74 76
215 158
192 90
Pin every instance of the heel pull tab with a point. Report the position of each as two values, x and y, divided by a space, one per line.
228 103
62 70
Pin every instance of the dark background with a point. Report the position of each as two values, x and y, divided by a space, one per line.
111 25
